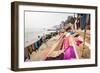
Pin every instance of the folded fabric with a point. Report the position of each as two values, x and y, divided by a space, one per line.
69 53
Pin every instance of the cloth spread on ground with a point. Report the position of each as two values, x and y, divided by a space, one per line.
69 53
60 57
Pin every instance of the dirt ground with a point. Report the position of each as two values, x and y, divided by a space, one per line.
51 50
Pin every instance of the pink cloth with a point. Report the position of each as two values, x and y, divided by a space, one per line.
66 42
69 53
26 54
33 47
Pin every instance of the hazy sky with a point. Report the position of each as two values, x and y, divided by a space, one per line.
37 20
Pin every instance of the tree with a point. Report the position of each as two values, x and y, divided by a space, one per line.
70 19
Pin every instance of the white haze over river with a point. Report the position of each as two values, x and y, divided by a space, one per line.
37 23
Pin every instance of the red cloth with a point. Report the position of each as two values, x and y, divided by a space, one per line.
78 42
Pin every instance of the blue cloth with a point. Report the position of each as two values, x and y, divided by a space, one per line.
36 45
72 33
83 21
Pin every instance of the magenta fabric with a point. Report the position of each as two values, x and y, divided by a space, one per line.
69 53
